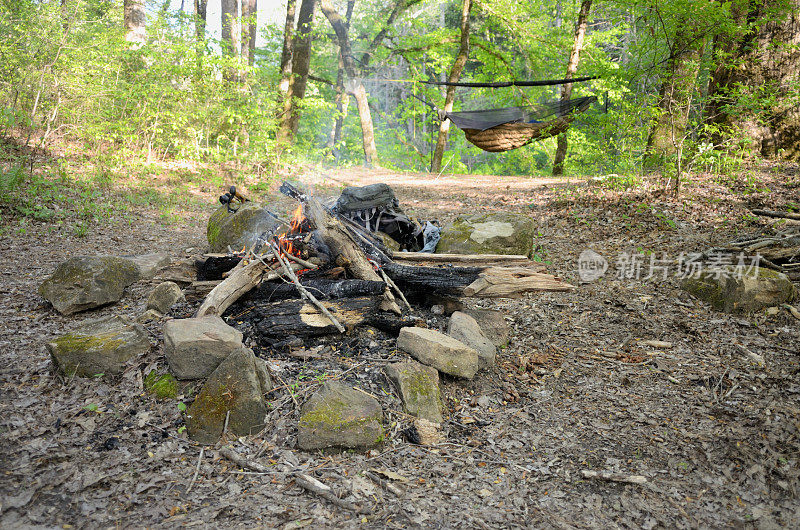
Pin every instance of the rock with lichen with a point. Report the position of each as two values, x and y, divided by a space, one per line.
101 346
736 291
234 391
488 233
441 351
418 386
339 416
83 283
238 229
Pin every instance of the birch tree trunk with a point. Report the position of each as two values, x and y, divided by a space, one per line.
566 89
455 75
341 100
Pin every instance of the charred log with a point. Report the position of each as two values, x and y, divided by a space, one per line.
212 267
438 280
322 288
303 319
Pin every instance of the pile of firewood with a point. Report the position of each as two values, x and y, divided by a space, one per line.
326 275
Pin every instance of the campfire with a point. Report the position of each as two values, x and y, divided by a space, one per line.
325 274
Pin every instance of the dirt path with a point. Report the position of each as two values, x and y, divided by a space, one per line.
577 389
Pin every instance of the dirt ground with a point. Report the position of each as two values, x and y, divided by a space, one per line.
714 434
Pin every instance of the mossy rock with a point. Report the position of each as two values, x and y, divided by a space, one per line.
235 391
418 386
489 233
101 346
83 283
239 229
732 291
339 416
163 386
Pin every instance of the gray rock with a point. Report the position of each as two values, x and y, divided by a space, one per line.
150 264
489 233
733 291
149 316
240 229
444 353
264 379
164 296
493 324
339 416
100 346
418 386
234 388
194 347
83 283
464 328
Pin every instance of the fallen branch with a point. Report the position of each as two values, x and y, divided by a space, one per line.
614 477
777 215
385 484
309 483
196 470
472 259
242 462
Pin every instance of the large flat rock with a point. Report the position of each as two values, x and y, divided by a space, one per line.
195 347
101 346
436 349
493 324
83 283
488 233
339 416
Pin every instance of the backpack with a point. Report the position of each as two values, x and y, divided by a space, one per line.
376 208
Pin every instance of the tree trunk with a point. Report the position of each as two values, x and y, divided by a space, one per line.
341 100
298 80
286 53
135 22
354 85
566 89
765 56
200 11
249 29
455 74
668 130
228 15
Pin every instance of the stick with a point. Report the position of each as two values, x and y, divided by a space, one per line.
614 477
303 291
304 263
242 462
196 469
385 484
774 214
460 258
394 286
309 483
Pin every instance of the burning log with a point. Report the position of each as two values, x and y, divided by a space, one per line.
343 248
